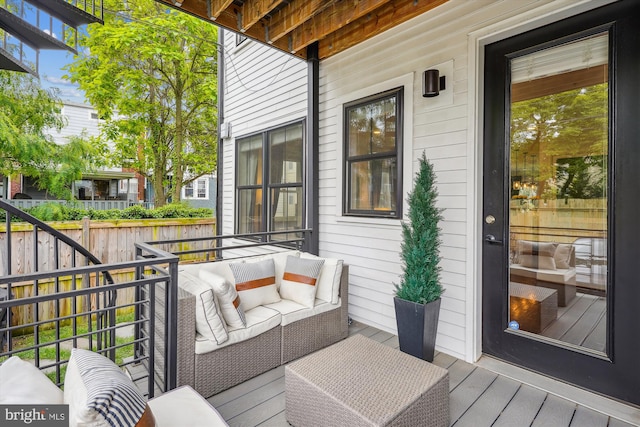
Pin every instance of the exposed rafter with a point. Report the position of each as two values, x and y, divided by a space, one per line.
293 25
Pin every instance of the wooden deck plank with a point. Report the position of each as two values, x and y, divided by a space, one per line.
490 404
476 398
468 391
597 339
381 336
565 321
260 413
279 420
458 371
587 322
614 422
523 407
555 412
246 387
238 406
585 417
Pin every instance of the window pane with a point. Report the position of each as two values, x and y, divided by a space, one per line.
188 190
250 161
286 208
285 155
250 211
202 189
373 185
372 127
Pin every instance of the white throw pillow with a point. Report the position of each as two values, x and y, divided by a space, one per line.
99 393
230 302
209 321
255 283
279 262
22 383
299 280
329 280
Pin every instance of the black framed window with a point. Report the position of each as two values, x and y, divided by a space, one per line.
240 38
373 156
269 180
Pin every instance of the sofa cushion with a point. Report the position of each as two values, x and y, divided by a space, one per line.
221 268
259 319
292 311
209 321
99 393
562 255
279 262
560 275
537 254
182 406
329 280
22 383
299 280
255 283
230 302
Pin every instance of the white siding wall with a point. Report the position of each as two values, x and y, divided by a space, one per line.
445 129
78 120
264 88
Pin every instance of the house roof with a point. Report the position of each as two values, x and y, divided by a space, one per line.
293 25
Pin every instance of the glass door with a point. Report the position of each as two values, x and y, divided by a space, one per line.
558 169
561 170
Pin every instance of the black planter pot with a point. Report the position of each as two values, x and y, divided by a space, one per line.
417 327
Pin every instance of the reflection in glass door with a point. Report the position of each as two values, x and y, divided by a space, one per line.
558 193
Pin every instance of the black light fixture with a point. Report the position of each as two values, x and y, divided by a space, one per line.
432 83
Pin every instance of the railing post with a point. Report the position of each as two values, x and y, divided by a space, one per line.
171 358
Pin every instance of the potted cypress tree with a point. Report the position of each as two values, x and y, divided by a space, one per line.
417 300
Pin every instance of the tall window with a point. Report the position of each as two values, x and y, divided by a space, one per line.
373 162
269 180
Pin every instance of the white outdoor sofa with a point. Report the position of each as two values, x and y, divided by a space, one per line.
274 334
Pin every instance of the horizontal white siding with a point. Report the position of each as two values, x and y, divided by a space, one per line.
77 122
372 248
264 88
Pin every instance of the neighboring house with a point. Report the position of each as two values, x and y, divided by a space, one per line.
201 193
108 184
534 143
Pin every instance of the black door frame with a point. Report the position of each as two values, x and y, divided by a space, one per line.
617 374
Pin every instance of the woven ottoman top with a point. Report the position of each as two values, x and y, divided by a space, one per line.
372 379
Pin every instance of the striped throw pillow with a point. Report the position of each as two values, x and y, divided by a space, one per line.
299 280
99 393
256 283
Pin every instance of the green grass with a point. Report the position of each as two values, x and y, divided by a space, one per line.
49 352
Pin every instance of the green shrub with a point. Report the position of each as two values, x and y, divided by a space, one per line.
62 212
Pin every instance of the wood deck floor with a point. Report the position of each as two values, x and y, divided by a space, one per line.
479 398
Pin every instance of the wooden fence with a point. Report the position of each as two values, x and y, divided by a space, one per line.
110 241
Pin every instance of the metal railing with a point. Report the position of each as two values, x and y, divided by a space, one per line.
97 310
84 204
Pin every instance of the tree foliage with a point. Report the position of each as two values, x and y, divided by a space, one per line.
152 74
28 114
568 133
421 241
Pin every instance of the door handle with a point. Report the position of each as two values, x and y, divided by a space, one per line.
491 239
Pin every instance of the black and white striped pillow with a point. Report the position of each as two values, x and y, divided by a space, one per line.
103 395
255 283
299 280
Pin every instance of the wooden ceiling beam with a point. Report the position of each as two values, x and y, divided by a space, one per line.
388 16
292 16
336 16
228 19
254 10
217 7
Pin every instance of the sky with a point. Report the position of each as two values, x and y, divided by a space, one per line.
51 75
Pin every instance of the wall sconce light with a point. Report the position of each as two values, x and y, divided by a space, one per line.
432 83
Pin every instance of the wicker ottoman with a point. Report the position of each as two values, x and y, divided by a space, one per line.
360 382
